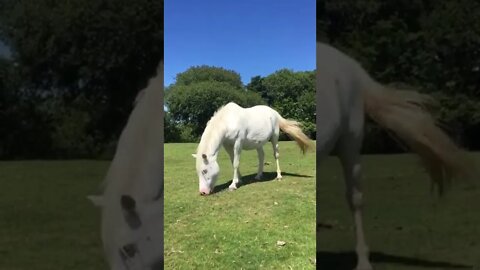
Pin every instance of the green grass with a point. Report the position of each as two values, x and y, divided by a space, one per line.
47 223
406 226
240 229
45 220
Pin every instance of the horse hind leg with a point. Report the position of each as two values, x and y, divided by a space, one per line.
349 154
261 158
276 155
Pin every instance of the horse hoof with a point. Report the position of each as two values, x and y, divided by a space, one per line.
232 188
366 267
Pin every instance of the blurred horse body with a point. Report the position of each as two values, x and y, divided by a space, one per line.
132 202
345 92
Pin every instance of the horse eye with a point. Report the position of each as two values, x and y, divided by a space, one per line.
204 172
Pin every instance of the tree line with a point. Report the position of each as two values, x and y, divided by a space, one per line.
429 45
201 90
74 68
68 85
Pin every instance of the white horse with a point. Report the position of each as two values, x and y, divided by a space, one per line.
344 92
238 128
132 203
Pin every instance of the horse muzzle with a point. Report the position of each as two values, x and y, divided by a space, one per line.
205 191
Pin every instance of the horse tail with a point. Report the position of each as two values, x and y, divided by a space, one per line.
404 113
293 130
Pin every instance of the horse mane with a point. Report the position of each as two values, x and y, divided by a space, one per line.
139 97
134 170
209 133
133 141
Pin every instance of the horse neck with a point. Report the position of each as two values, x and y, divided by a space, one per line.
134 169
212 138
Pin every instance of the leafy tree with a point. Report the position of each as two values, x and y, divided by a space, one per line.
431 45
103 50
24 129
256 85
171 130
286 85
209 73
452 36
292 94
199 92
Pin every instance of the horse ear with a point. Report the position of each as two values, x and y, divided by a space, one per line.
205 160
194 155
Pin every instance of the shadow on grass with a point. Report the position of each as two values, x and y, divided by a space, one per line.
250 179
348 260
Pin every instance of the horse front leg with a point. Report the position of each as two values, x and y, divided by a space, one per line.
237 149
261 159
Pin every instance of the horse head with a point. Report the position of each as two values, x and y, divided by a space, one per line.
207 171
141 246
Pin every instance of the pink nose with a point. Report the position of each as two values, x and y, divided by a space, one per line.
204 191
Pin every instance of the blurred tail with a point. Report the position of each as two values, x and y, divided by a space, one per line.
405 114
293 130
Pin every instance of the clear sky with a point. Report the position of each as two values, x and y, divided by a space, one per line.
251 37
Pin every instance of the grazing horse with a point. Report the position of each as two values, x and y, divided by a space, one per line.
238 128
344 92
132 202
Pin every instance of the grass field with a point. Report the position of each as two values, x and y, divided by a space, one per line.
46 222
406 227
240 229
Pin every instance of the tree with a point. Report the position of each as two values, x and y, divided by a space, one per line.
433 46
171 131
199 92
292 94
208 73
256 85
103 50
24 132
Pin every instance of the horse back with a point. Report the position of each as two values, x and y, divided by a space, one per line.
338 97
254 125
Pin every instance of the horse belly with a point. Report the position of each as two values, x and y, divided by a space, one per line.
250 145
256 139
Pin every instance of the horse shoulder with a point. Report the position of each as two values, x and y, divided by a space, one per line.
232 106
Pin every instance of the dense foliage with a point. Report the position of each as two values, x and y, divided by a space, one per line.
432 46
196 95
74 67
200 91
292 94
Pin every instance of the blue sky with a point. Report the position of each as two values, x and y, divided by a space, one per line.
251 37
